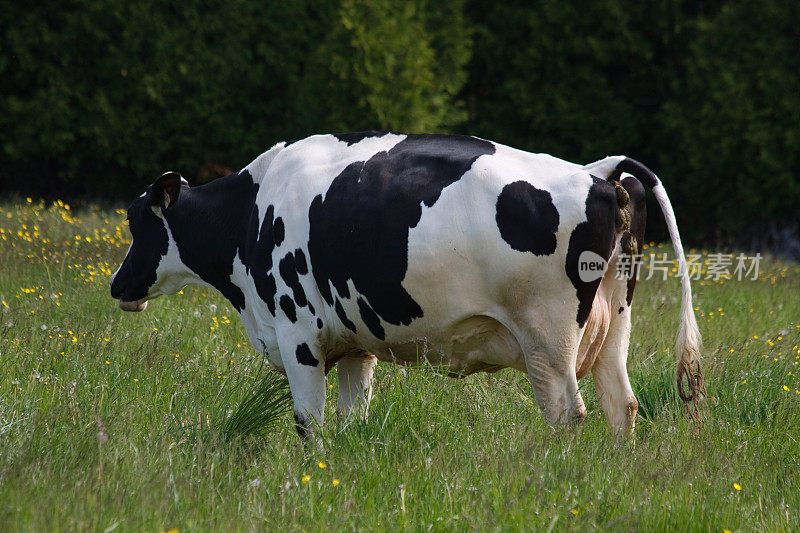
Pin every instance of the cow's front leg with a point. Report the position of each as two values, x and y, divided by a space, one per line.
305 370
355 384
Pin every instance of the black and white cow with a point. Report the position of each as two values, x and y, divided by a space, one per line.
340 249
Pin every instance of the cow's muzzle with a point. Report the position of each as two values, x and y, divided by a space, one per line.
134 307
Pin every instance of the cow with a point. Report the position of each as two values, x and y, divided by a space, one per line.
345 249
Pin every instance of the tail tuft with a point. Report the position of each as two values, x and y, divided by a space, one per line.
689 375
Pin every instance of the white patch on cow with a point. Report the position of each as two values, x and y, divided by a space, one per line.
258 167
591 266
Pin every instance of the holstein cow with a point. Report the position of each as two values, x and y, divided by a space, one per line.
340 249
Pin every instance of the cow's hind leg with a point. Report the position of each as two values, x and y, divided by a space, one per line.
355 384
610 368
611 376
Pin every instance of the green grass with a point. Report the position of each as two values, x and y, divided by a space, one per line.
117 420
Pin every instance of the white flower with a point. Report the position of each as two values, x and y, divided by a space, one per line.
213 308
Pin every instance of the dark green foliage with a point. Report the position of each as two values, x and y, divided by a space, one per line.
582 81
385 65
706 95
102 95
99 97
560 78
737 122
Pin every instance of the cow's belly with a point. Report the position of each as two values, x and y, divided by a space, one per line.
477 343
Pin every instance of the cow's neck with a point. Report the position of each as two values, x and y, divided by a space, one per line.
209 225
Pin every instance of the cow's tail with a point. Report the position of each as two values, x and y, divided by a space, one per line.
687 347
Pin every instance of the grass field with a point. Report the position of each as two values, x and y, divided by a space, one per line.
110 420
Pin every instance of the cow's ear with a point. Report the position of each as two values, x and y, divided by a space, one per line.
165 189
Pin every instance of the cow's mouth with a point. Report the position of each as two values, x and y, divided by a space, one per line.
133 307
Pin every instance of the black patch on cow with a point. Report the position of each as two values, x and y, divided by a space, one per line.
371 319
150 243
595 234
343 290
311 308
257 256
300 262
319 323
288 271
304 356
287 305
359 231
621 309
638 208
279 231
207 225
353 138
527 218
343 316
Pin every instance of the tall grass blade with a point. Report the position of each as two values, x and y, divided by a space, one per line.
261 409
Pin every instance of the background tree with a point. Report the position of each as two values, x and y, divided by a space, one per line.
387 65
736 125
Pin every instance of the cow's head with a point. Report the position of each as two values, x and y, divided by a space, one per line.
152 266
